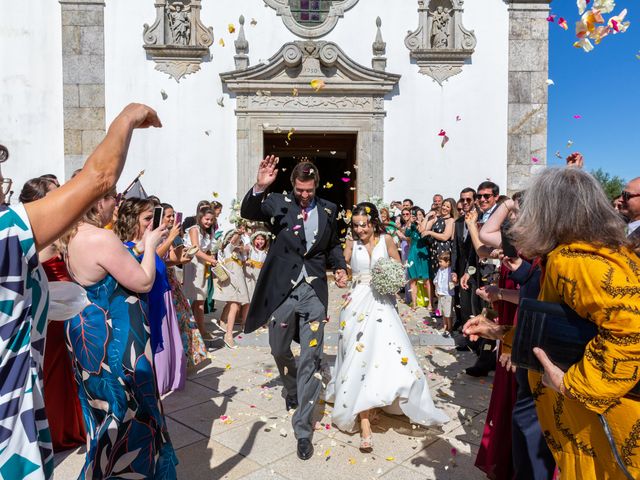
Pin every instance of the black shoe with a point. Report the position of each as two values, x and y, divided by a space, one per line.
290 403
305 449
476 371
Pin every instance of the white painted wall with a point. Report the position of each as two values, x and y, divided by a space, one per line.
31 122
183 165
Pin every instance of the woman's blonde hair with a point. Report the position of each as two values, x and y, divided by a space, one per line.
91 217
453 205
565 205
127 224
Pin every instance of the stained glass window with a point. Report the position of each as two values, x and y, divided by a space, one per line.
310 12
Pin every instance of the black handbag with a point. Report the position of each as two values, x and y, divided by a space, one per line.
563 335
556 329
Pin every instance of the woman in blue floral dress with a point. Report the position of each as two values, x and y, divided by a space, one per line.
111 353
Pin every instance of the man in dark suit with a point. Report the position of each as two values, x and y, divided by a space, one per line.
464 256
291 294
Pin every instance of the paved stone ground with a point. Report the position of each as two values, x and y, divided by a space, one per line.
230 423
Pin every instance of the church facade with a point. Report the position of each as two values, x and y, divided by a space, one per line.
391 99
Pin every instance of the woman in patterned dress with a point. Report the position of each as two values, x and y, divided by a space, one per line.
25 444
112 355
172 250
438 231
590 266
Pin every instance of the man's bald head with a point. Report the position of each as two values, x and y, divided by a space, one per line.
630 206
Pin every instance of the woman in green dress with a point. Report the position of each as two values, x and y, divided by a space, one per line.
418 257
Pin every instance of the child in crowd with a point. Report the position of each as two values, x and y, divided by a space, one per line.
256 257
232 289
444 290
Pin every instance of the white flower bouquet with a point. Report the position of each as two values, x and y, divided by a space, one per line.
387 277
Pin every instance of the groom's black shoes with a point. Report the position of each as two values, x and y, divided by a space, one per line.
305 449
290 403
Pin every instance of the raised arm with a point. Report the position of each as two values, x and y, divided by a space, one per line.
98 176
114 258
255 206
490 234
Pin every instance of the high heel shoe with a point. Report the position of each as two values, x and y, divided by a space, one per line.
232 345
366 444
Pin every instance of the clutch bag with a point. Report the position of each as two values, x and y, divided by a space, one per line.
556 329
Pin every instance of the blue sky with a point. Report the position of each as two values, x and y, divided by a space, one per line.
602 86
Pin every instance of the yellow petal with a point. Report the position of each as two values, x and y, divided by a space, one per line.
404 360
390 459
313 343
221 42
343 324
294 92
317 84
352 461
228 366
232 28
290 134
314 326
327 452
361 317
359 347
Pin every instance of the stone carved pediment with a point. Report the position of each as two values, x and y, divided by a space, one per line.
440 45
336 12
272 84
177 41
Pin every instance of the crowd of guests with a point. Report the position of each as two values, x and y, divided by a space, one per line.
149 287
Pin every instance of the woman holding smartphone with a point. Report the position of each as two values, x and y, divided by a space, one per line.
114 370
173 251
199 238
134 219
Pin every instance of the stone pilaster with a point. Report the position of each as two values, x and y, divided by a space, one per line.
83 79
528 99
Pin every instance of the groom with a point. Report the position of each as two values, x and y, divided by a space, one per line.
292 294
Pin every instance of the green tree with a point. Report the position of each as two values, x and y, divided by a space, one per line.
612 185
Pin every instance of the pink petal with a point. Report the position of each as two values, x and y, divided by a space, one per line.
577 117
535 159
345 179
442 133
297 227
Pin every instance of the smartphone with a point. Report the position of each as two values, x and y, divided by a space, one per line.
178 242
178 219
158 213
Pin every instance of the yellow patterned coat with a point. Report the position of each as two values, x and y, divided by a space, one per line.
603 286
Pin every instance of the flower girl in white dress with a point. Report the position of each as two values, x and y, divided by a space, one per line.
376 366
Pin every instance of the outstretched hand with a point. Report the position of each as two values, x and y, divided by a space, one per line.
267 172
480 327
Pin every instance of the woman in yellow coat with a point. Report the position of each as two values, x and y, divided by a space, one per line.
567 220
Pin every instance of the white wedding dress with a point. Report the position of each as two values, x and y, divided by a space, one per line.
376 365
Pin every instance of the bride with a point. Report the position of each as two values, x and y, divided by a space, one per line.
376 366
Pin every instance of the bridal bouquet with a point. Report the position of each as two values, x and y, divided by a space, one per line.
387 277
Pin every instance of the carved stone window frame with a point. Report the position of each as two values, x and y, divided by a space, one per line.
336 12
351 102
440 63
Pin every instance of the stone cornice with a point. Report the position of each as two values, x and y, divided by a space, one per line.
82 2
298 63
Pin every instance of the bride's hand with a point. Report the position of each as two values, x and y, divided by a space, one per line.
341 278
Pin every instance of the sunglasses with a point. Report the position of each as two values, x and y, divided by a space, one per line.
626 196
466 200
484 196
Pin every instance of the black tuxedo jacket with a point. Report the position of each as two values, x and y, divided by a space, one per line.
288 254
463 255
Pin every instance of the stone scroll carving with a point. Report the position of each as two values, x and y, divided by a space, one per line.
440 45
177 41
336 12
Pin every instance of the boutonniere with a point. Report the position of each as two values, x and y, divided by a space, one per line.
328 210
